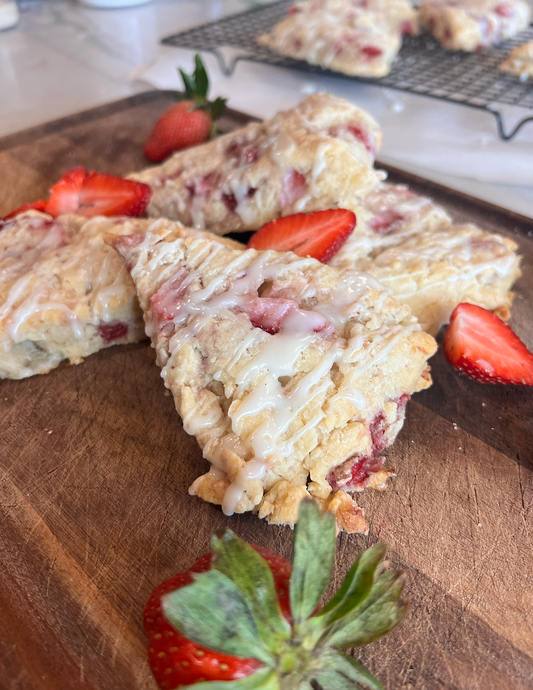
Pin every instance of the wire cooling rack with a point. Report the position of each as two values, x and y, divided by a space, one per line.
422 66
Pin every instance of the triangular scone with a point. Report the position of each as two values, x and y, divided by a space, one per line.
318 155
430 264
292 379
359 38
64 293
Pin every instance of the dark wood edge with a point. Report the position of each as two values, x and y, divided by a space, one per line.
54 126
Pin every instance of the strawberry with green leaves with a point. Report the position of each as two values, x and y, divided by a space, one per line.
242 619
190 121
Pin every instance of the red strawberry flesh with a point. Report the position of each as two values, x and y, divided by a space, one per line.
177 661
92 194
39 205
482 346
112 330
65 194
319 235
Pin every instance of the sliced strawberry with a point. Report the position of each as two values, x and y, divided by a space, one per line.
319 235
92 194
483 347
107 195
36 206
65 194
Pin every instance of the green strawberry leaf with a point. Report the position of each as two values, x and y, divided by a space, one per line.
190 86
351 668
328 679
381 611
213 613
356 585
201 78
264 679
217 107
314 553
249 571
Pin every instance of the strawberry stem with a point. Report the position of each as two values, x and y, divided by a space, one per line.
234 609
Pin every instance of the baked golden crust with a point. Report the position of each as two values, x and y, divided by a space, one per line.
318 155
292 378
476 24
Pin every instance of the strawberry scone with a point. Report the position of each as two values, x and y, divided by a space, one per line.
64 293
341 36
519 61
318 155
396 213
292 378
472 25
429 264
362 46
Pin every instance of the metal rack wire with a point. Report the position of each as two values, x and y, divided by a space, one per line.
422 67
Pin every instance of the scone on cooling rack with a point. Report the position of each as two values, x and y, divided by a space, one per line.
318 155
353 37
291 378
64 293
519 61
472 25
429 264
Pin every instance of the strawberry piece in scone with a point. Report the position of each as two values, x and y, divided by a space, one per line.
292 378
430 264
316 156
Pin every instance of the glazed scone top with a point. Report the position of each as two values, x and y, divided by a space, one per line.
273 360
65 271
475 24
352 41
316 155
398 14
396 214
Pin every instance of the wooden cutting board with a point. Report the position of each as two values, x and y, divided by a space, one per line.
94 470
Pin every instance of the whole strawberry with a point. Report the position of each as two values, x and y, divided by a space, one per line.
239 619
187 123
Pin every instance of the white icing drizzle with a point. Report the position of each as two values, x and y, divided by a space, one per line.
63 270
271 360
31 306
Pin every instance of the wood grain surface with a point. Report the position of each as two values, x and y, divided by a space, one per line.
95 466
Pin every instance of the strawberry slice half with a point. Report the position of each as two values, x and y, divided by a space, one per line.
319 234
65 194
92 194
39 205
482 346
107 195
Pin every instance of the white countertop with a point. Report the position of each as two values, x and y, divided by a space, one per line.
63 58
